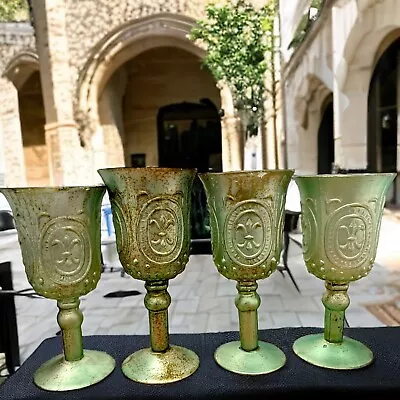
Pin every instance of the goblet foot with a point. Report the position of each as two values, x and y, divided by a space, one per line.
349 354
59 375
147 366
265 359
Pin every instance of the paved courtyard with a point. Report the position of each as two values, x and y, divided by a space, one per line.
203 300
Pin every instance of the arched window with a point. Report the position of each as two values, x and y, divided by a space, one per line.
383 111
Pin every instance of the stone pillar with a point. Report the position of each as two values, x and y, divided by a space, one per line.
350 96
351 128
232 135
12 152
65 152
308 144
108 140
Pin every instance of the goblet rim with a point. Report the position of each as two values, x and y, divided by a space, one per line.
352 175
153 168
247 172
51 188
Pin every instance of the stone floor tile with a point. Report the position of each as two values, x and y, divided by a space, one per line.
215 304
271 303
187 306
362 319
226 288
311 319
219 322
301 303
285 319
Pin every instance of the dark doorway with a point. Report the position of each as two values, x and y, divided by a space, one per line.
383 103
189 136
326 144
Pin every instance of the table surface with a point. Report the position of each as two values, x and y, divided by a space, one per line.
210 381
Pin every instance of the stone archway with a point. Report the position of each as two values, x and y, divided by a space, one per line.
32 117
309 105
326 143
383 114
126 43
21 67
28 108
371 25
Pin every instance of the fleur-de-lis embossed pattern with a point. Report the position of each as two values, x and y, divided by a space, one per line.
161 230
165 229
64 224
248 232
245 214
153 215
347 210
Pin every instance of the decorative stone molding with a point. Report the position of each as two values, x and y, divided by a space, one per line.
86 27
15 37
126 42
20 67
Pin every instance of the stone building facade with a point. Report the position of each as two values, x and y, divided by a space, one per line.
341 87
82 86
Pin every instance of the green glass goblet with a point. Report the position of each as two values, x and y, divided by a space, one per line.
59 234
246 215
151 214
341 218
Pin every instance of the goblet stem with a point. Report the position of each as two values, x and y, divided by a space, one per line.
335 300
157 301
70 320
247 302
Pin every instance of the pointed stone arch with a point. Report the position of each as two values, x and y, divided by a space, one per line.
127 42
21 67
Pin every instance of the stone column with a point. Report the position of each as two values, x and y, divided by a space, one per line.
308 144
65 152
351 129
12 152
232 136
350 96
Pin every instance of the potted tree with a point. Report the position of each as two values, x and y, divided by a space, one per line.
239 41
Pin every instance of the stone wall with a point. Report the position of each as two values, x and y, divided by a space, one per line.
32 117
158 78
89 21
15 38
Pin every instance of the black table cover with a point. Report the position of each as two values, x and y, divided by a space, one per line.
210 381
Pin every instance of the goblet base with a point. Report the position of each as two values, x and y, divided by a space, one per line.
350 354
60 375
265 359
147 366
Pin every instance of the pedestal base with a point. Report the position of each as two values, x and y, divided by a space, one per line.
350 354
59 375
265 359
147 366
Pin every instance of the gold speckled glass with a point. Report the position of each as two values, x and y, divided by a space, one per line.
341 218
151 212
59 234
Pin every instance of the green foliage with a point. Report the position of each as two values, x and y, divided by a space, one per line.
13 10
305 23
237 37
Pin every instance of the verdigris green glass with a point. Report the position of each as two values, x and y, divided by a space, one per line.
246 215
59 233
151 213
341 218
